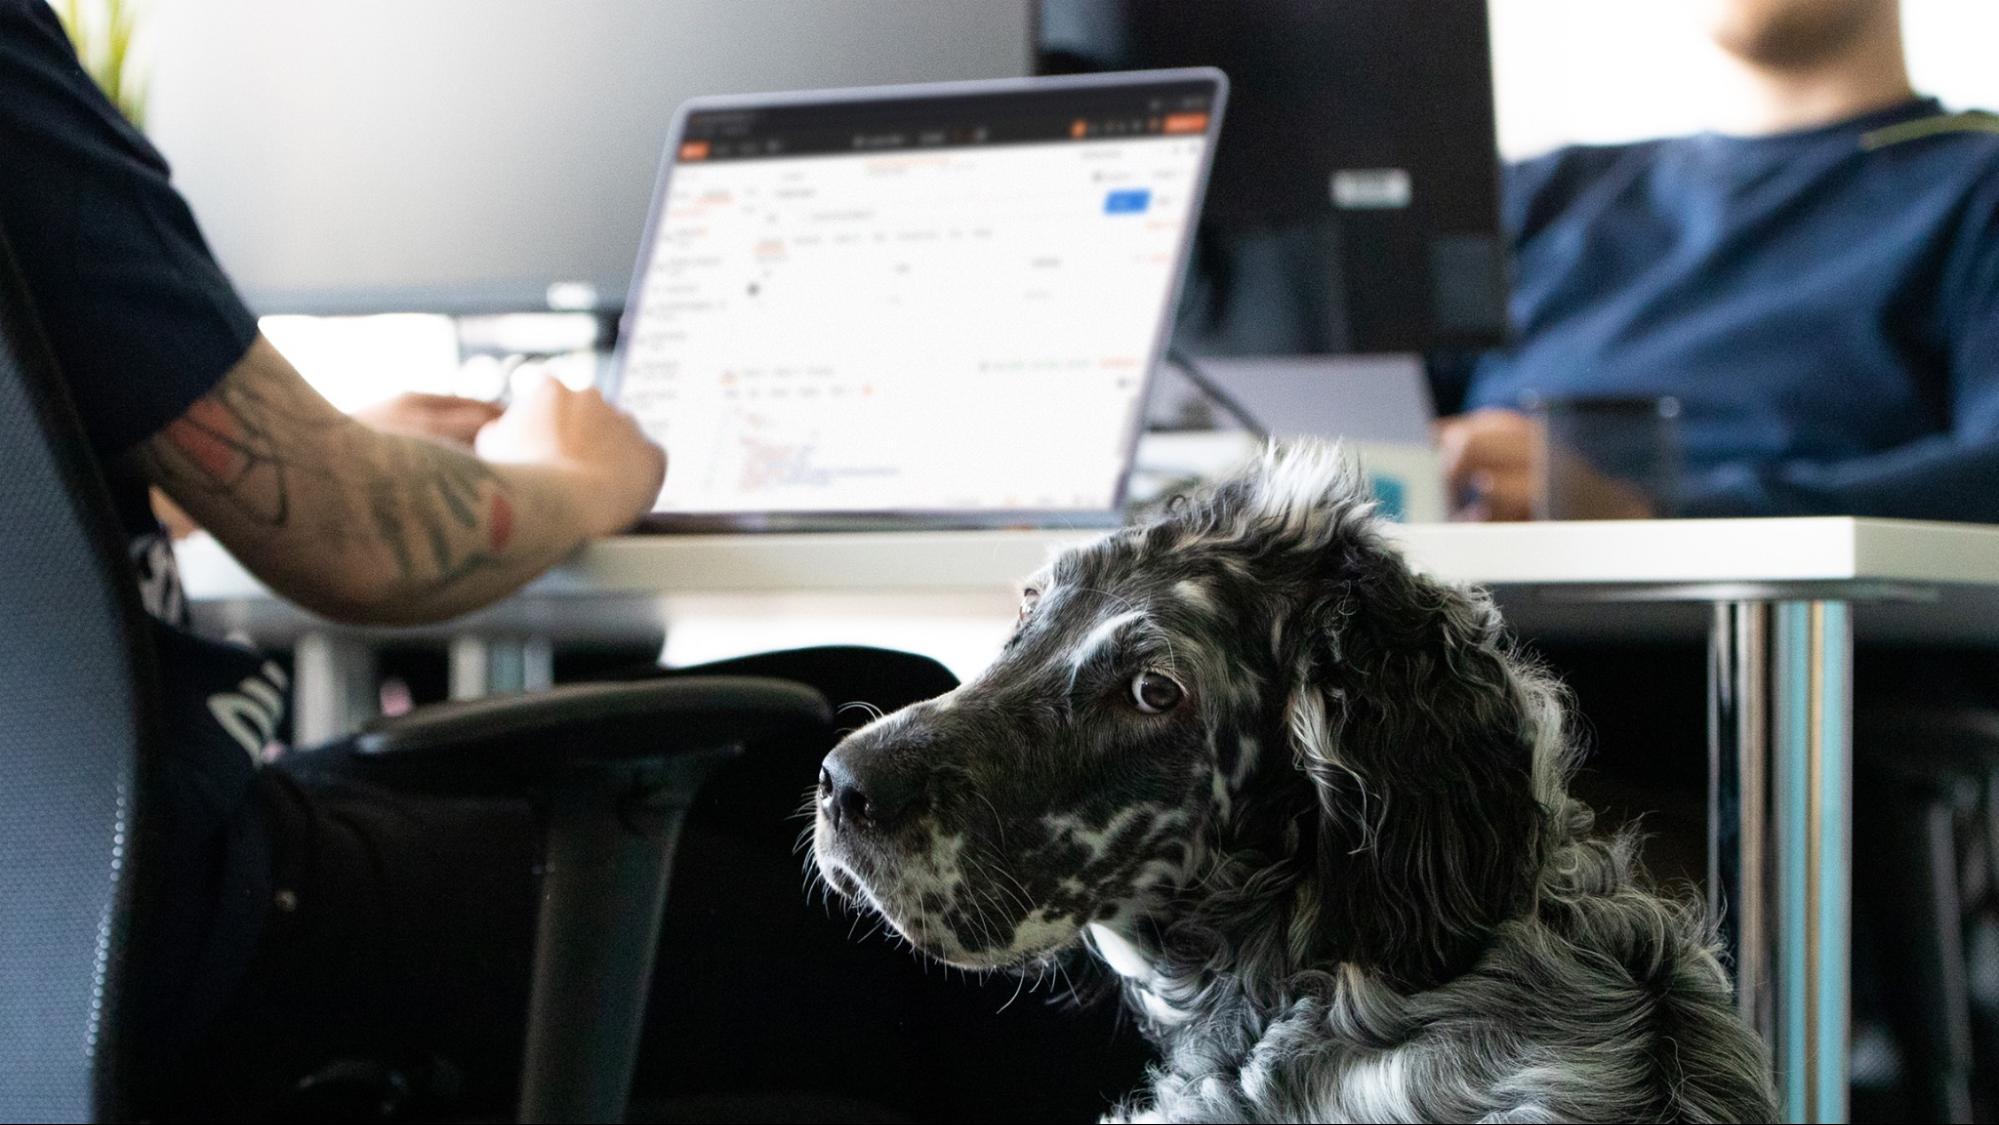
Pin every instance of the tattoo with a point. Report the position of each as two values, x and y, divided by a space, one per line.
432 492
386 510
252 440
232 454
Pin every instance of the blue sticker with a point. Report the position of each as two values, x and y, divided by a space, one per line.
1132 201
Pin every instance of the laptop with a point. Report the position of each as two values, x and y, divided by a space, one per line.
921 306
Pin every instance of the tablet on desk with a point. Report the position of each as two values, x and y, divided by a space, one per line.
913 307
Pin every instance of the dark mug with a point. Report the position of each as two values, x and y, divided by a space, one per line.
1606 457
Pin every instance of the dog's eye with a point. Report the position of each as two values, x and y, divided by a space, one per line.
1029 598
1156 693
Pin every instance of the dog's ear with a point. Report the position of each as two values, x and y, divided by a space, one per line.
1418 734
1414 725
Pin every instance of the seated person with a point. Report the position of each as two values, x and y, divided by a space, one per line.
1819 289
316 920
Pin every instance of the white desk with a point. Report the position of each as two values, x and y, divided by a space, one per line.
1780 600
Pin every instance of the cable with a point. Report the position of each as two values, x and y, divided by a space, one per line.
1206 384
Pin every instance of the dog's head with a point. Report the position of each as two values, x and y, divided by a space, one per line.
1254 673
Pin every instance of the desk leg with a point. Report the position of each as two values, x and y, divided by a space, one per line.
484 665
1738 815
1780 854
333 690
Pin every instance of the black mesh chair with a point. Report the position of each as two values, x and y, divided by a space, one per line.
1929 894
613 766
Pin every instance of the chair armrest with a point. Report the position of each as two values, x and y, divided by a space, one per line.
584 723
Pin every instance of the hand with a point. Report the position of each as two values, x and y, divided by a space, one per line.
1489 463
617 471
445 418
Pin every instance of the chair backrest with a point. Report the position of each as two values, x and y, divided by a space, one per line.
77 715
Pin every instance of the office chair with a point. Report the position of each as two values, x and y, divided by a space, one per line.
1931 772
613 767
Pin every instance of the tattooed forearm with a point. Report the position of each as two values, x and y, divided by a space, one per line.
354 523
289 478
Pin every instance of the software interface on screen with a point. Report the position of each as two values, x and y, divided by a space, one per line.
934 305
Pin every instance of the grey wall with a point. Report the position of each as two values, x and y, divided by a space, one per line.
447 153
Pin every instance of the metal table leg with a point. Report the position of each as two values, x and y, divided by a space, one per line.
1780 857
333 691
487 665
1738 818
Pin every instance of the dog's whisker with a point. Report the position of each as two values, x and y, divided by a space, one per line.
873 712
1016 995
1075 993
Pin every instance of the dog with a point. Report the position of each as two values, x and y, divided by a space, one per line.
1312 808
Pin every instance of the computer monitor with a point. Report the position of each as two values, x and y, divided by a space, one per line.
1354 201
466 156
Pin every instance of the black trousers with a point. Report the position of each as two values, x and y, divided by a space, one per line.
401 929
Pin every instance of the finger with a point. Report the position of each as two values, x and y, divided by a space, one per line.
534 384
1453 442
462 420
457 402
444 404
1509 496
470 409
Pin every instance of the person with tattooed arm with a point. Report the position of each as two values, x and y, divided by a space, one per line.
287 892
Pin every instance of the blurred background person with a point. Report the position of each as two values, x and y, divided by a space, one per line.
1817 286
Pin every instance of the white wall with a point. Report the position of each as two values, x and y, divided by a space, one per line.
1615 70
441 144
447 145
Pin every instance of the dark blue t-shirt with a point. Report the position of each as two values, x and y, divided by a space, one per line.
1824 304
142 323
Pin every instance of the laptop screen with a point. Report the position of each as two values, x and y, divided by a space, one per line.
944 303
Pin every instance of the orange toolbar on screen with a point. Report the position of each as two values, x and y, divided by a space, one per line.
1186 123
694 150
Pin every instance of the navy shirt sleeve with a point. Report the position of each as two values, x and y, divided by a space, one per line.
142 320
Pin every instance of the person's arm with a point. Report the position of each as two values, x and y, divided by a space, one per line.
366 526
1945 476
1937 478
446 418
1490 465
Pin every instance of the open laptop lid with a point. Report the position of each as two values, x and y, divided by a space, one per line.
933 306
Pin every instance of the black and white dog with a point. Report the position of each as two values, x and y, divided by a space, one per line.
1313 809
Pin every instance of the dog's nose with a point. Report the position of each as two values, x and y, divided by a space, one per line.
855 796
